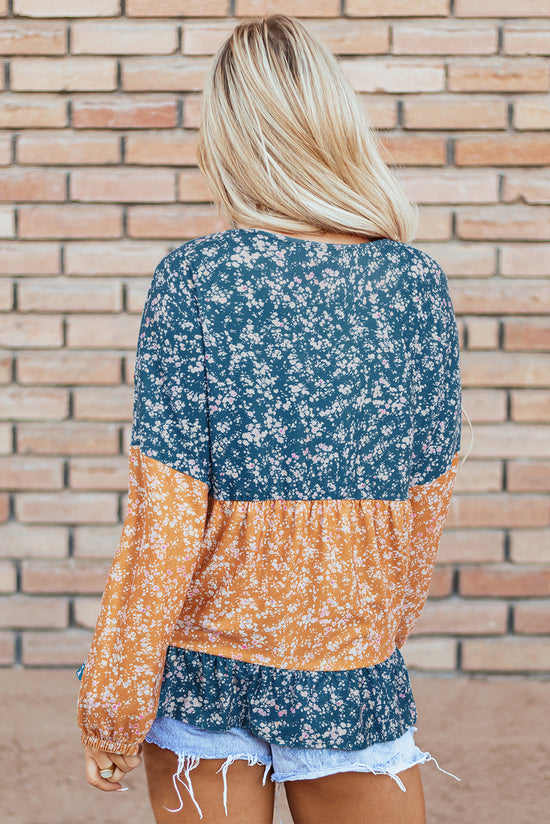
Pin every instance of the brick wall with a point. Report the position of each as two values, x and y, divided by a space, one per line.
98 179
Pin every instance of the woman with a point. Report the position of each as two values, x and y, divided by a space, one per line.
294 449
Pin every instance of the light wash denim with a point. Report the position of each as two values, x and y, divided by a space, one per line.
192 743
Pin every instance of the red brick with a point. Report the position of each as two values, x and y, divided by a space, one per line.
7 577
504 369
532 618
531 259
29 258
395 75
173 221
4 507
502 8
7 222
435 223
530 405
123 112
86 611
521 655
106 332
482 333
5 438
66 8
62 74
70 575
503 297
504 150
510 440
176 8
498 74
530 546
172 149
297 8
22 331
5 369
532 113
192 111
380 111
20 472
115 258
126 185
124 37
7 647
429 654
527 185
22 541
462 259
129 367
63 294
192 187
164 74
136 292
464 546
397 8
99 473
74 148
68 438
47 649
455 112
33 184
526 37
453 616
341 36
501 510
22 612
479 476
529 476
66 368
527 335
5 149
441 583
94 404
96 541
504 581
502 222
28 37
414 150
450 185
23 111
66 507
73 220
449 37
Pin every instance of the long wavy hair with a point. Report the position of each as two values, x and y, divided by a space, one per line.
284 143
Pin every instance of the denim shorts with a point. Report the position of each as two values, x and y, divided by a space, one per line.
192 743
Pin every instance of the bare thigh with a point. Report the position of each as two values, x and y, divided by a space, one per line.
248 800
358 798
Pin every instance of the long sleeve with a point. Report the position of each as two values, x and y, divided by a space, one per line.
164 525
436 404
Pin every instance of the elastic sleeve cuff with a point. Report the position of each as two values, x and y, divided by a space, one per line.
110 745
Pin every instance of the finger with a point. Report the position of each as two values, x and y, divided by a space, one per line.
94 778
126 763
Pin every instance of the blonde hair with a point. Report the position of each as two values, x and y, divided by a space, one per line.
284 143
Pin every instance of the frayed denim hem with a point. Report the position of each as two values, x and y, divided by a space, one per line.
358 767
186 763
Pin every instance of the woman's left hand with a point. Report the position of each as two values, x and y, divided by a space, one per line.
97 760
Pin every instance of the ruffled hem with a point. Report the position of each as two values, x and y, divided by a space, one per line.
339 709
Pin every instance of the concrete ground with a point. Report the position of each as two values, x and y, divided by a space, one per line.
494 733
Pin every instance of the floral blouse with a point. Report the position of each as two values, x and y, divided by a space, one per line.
295 441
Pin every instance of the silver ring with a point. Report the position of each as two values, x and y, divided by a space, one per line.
108 772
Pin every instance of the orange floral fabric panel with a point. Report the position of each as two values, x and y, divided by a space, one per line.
429 508
312 585
146 588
